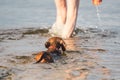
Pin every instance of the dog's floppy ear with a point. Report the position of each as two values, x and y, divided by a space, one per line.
47 44
63 45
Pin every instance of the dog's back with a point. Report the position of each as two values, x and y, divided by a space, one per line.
44 57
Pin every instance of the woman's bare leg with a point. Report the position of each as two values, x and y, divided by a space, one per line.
72 11
61 11
58 26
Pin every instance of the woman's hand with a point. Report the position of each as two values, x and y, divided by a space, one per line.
96 2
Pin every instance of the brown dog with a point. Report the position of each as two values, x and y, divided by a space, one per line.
56 43
55 46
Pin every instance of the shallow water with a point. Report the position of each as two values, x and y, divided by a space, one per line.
92 54
92 51
41 13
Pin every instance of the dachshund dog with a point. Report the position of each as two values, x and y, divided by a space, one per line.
56 43
55 47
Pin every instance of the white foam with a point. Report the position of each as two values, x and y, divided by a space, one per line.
56 30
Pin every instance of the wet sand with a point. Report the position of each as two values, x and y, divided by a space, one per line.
92 54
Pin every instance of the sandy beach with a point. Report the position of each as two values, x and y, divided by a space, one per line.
92 54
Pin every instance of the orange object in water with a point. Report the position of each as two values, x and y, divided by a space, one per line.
96 2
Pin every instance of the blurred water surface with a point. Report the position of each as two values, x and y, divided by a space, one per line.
41 13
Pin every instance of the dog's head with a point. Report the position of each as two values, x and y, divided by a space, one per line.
56 43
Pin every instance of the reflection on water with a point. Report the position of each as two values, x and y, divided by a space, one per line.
104 45
99 51
71 44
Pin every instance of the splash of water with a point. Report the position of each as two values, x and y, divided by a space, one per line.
98 16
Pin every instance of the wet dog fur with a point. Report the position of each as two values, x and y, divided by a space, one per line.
55 46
